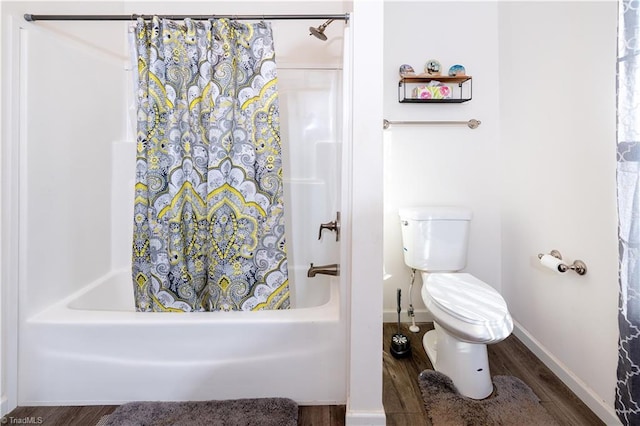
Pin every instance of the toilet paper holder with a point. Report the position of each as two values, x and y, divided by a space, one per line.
578 265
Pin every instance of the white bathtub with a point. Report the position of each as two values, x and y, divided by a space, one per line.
93 348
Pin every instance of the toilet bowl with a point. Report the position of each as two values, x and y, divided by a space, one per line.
468 314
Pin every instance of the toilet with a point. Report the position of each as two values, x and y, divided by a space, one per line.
468 314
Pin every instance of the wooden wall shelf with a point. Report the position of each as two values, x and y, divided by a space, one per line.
408 83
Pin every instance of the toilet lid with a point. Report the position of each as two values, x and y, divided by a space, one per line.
465 297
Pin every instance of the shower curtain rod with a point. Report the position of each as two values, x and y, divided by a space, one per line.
32 18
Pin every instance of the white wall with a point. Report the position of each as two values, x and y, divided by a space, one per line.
558 173
539 172
451 165
364 405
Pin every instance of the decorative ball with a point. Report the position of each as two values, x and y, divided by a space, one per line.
433 67
457 70
406 70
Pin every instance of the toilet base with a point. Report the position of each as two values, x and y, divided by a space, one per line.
467 364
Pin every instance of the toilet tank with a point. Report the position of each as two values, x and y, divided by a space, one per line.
434 238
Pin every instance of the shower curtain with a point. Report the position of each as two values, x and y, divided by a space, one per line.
208 212
628 176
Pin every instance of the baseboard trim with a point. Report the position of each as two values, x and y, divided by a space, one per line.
605 413
365 418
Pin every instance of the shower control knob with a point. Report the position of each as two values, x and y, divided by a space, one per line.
331 226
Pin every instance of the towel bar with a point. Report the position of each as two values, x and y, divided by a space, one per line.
472 124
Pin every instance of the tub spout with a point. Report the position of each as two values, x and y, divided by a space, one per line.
333 269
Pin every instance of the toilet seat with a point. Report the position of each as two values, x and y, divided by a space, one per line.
466 307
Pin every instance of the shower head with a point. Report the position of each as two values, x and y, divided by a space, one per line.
319 32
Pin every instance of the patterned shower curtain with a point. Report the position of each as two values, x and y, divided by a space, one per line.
208 217
628 175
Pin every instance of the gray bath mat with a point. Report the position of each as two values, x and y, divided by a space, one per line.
237 412
512 403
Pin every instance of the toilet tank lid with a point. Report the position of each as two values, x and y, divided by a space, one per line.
436 213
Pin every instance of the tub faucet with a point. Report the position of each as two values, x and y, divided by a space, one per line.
333 269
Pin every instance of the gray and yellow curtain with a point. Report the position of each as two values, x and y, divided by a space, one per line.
628 175
208 221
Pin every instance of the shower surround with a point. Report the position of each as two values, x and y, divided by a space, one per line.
81 342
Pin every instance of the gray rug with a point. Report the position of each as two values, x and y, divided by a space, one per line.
236 412
511 403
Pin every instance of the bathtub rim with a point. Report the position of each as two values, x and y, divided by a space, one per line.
60 311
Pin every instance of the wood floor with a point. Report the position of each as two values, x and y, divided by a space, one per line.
401 395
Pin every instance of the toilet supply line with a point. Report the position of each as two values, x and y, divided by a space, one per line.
413 327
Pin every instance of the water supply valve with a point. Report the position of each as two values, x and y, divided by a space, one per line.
332 226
